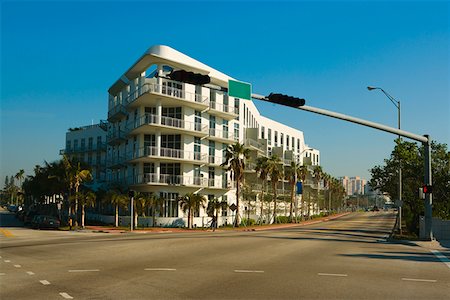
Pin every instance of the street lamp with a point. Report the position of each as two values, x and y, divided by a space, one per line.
396 104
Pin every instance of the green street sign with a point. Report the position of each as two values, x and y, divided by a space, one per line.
239 89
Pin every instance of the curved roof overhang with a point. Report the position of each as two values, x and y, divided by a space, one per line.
161 54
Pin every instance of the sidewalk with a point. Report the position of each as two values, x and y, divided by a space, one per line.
109 229
443 245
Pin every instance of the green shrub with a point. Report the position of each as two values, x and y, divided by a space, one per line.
248 222
282 219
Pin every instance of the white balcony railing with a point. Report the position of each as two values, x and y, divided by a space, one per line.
169 153
150 119
227 135
168 91
223 108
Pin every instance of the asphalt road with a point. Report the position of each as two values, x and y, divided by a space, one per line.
347 258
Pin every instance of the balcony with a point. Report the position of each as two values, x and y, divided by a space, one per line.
168 154
116 162
218 184
221 136
250 167
117 112
115 137
171 96
168 179
224 111
170 125
215 160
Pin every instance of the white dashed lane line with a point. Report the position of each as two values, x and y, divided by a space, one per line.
418 280
18 266
44 282
80 271
331 274
248 271
30 273
2 274
7 261
442 257
159 269
66 296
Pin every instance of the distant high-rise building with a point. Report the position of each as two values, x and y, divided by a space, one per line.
353 185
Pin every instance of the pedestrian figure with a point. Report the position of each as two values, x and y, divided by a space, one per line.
214 223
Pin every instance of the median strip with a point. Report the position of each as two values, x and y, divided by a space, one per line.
442 257
420 280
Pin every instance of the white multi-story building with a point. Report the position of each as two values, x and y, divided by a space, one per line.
88 145
169 137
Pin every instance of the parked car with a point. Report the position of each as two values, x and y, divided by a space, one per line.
43 221
375 208
12 208
29 216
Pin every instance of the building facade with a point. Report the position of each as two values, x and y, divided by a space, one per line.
169 137
88 145
354 185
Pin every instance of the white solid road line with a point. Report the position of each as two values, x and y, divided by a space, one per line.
421 280
77 271
331 274
248 271
442 257
44 282
159 269
30 273
66 296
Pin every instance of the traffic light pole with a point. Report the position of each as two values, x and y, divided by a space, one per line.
425 140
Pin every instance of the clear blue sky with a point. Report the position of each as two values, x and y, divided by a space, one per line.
59 59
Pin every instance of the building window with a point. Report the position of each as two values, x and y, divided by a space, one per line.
281 139
298 146
83 144
287 142
170 205
197 148
236 131
198 120
293 142
225 211
90 143
225 128
212 125
212 152
172 141
98 158
75 144
262 132
269 136
276 139
236 106
172 112
68 145
89 159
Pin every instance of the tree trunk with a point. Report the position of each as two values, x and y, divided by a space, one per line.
117 215
262 203
274 187
135 218
189 218
154 216
291 212
236 220
82 216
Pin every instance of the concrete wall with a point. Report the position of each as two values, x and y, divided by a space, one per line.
440 228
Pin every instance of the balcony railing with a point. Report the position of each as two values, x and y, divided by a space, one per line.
150 119
227 135
215 160
169 153
169 179
168 91
117 111
115 136
223 108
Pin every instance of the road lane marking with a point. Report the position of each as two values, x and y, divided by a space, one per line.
442 257
1 274
18 266
6 233
66 296
7 261
44 282
248 271
331 274
421 280
77 271
30 273
159 269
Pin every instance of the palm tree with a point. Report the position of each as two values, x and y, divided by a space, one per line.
292 176
318 174
142 201
79 176
213 208
157 203
302 174
326 184
86 199
235 157
275 172
119 200
20 176
191 202
261 170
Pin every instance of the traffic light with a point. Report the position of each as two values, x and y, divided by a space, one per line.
427 189
286 100
189 77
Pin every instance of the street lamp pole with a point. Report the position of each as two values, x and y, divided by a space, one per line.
397 105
